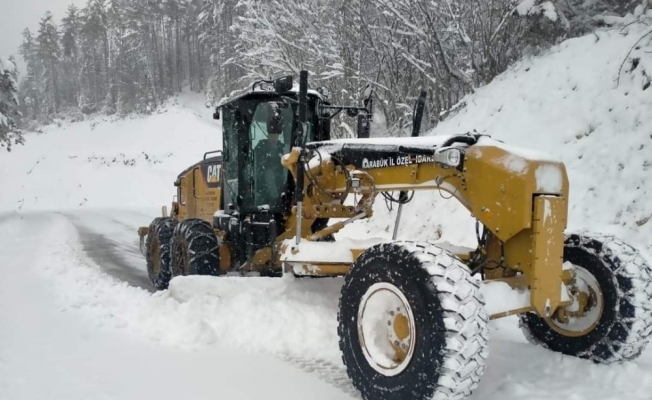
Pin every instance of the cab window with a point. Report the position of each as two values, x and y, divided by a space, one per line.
270 137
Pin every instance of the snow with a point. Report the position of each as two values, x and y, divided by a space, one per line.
529 7
318 158
514 164
549 11
500 297
82 322
547 210
525 7
7 66
70 331
549 178
109 162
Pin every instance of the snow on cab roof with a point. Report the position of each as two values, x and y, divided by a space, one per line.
258 90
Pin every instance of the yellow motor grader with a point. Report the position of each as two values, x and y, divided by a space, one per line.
413 316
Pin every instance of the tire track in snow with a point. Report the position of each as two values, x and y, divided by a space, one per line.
333 375
106 253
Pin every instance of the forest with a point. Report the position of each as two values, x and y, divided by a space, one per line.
128 56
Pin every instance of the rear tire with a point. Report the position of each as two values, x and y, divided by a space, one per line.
195 249
445 344
158 251
622 330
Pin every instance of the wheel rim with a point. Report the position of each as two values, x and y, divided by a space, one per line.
588 295
386 329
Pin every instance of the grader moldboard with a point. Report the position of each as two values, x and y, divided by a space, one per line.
412 316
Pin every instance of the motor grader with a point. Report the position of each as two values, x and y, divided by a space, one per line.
413 316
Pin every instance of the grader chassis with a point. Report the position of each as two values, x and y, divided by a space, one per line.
413 315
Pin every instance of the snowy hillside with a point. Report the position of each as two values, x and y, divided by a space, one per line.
109 162
81 320
569 103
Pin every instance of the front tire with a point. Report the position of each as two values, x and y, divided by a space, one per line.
195 249
620 322
429 336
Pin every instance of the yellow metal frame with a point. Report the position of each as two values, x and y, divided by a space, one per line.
499 187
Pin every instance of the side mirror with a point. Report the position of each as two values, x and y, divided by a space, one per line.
284 84
323 91
216 114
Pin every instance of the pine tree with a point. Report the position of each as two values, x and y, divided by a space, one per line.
94 57
8 104
70 62
49 54
29 92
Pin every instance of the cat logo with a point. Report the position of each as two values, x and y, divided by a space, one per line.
213 175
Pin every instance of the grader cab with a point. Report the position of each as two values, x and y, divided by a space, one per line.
413 319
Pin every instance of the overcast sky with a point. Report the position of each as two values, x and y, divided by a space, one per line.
16 15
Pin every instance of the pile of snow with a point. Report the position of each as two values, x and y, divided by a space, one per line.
577 104
108 161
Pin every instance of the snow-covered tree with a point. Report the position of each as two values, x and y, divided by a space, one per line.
70 60
30 86
49 54
8 104
130 55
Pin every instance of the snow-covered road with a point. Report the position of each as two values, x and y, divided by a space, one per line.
84 324
51 349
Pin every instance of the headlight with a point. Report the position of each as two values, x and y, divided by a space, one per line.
451 157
